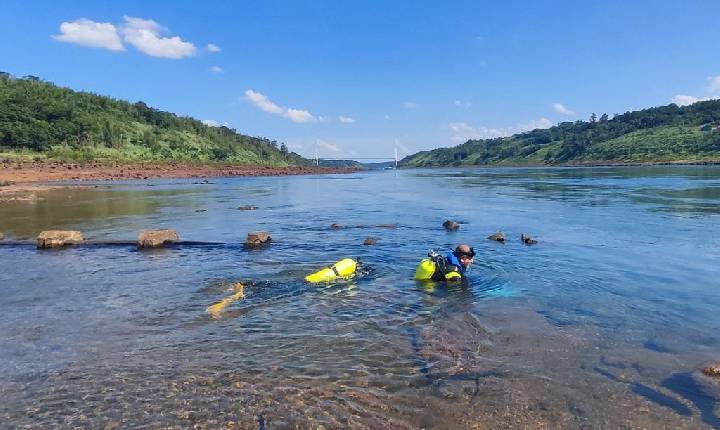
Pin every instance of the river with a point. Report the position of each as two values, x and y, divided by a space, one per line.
602 324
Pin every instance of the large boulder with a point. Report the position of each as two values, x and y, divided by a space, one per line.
58 238
451 225
499 237
157 238
257 239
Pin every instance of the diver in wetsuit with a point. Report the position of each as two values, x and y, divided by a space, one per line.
451 267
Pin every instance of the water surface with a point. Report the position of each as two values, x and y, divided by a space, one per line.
601 324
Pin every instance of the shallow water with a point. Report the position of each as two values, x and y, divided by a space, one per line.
601 324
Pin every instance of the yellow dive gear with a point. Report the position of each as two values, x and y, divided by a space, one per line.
343 269
425 270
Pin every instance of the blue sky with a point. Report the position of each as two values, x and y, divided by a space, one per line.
358 79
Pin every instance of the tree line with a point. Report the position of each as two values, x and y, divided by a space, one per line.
39 116
665 133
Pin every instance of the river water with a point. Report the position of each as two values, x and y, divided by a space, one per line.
602 324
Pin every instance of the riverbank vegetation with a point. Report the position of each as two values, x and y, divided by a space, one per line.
40 120
656 135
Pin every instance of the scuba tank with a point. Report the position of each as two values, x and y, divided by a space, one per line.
436 263
343 269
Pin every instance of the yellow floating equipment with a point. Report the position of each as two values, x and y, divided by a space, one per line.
238 293
425 270
343 269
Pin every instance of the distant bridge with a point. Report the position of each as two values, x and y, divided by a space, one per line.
395 158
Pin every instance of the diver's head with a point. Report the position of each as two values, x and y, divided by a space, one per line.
464 254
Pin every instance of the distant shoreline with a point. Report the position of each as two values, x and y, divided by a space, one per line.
586 164
54 171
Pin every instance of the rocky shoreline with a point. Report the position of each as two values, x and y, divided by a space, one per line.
52 171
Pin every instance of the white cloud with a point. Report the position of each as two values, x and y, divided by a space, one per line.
211 47
713 91
462 132
144 34
327 145
714 84
532 125
462 104
683 100
410 105
387 117
322 118
262 102
560 108
217 69
346 119
211 122
89 33
297 115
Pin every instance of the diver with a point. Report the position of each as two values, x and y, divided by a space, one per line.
451 267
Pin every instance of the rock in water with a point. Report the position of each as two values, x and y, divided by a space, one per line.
499 237
712 369
58 238
386 225
370 241
450 225
335 226
527 240
247 208
256 239
156 238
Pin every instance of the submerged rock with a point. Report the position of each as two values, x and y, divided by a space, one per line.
527 240
335 226
712 369
386 225
451 225
370 241
156 238
499 237
58 238
256 239
247 208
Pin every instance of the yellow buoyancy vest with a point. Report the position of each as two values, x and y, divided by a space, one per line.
343 269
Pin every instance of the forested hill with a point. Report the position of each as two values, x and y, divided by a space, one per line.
39 117
662 134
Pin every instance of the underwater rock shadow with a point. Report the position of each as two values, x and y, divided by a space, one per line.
687 387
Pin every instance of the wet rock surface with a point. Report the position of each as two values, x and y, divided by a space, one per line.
370 241
498 237
527 239
257 239
58 238
157 238
451 225
712 370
